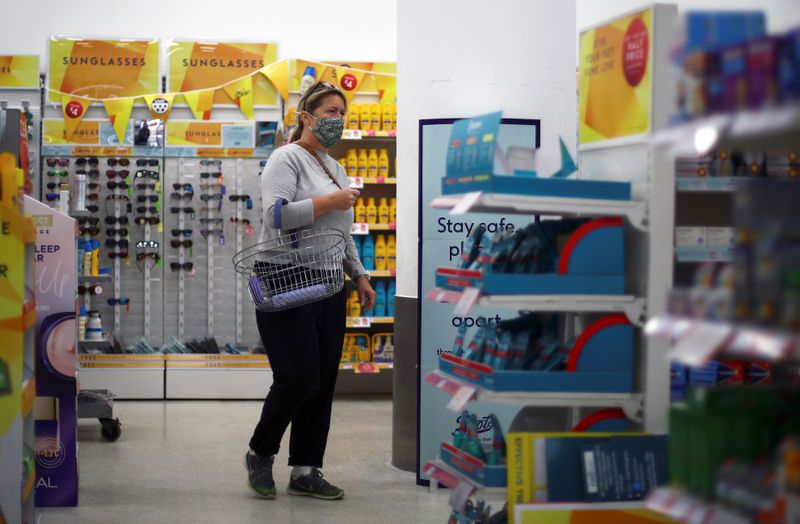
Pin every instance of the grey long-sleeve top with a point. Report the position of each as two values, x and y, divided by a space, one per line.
293 174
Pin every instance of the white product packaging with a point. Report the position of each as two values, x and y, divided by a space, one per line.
691 236
721 236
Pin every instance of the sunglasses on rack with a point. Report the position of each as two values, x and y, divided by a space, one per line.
178 243
243 221
121 301
209 162
82 161
93 208
140 221
141 256
123 232
118 197
118 161
116 220
189 210
206 198
145 198
186 197
91 220
178 232
243 198
143 187
92 290
206 221
92 197
57 172
91 231
177 266
152 162
206 186
123 173
92 173
52 197
147 209
114 185
211 232
185 187
142 173
111 243
53 162
211 175
117 254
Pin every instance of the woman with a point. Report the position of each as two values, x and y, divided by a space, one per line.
304 344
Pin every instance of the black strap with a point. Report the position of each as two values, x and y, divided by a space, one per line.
321 163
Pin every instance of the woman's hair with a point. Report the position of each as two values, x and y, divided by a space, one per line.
311 100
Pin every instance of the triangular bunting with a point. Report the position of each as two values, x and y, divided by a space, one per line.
200 102
278 74
160 105
387 88
241 92
349 81
74 109
119 112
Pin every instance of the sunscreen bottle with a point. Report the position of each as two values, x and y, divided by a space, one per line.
368 250
391 253
386 117
383 211
380 300
354 306
372 163
372 211
393 211
375 117
360 211
383 163
363 163
380 254
390 293
352 116
364 118
352 163
394 117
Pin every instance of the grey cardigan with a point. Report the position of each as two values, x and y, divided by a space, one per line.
294 175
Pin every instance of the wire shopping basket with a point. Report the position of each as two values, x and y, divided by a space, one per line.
292 270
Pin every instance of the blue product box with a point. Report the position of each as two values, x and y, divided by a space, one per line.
789 67
475 469
601 361
528 184
679 381
710 30
705 376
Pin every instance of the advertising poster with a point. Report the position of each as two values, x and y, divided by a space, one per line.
223 139
615 75
441 240
197 65
19 72
103 68
97 137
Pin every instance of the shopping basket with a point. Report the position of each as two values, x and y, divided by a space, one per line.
294 269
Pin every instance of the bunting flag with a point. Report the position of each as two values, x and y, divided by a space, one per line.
349 81
387 88
119 112
74 109
160 105
200 103
278 74
241 92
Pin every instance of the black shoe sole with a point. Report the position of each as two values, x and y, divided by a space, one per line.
295 492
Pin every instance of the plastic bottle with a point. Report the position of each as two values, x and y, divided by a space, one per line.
352 163
383 163
80 257
291 113
82 319
63 199
309 79
353 305
391 253
393 211
388 349
363 163
364 354
94 326
394 117
363 117
360 211
372 211
380 300
383 211
386 117
359 245
390 293
87 258
377 350
343 161
372 163
368 253
95 258
353 114
375 117
80 192
380 253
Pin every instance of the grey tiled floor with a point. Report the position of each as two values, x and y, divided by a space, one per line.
181 462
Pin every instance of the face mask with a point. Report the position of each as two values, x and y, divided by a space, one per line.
328 130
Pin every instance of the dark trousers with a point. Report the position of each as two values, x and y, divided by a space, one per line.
304 346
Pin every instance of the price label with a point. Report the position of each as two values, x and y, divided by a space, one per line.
359 228
356 182
461 398
380 180
366 367
352 134
360 322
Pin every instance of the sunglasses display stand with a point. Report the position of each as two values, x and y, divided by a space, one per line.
181 260
239 245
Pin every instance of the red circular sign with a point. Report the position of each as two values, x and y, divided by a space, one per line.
635 49
349 82
74 109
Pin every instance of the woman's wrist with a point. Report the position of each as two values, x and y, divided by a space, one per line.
321 206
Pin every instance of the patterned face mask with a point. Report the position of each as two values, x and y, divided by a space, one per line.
328 130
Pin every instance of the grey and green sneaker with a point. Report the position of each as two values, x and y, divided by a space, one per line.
313 485
259 475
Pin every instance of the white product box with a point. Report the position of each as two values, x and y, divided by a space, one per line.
690 236
720 236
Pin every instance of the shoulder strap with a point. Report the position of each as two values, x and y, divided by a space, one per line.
321 163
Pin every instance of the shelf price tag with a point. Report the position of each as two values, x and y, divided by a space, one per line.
359 228
352 134
461 398
380 180
366 367
359 322
356 182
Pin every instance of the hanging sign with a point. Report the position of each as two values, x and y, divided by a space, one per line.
19 72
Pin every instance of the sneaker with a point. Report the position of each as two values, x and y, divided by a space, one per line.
259 475
313 485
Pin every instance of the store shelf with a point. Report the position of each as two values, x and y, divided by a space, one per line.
703 254
464 392
358 134
93 345
633 307
709 184
771 127
363 228
681 507
113 357
698 341
83 279
634 211
463 488
28 395
365 367
358 182
379 273
367 322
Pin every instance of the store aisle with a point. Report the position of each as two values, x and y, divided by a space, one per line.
180 462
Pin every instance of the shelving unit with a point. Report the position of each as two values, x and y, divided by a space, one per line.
703 254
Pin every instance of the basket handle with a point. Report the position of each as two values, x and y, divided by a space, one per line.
279 203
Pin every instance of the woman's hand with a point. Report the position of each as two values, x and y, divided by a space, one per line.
365 293
341 200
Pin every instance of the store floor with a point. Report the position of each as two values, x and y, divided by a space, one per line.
181 462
